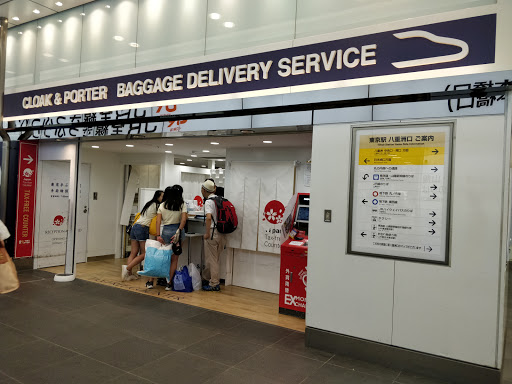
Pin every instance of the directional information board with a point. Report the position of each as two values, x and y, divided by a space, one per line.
400 192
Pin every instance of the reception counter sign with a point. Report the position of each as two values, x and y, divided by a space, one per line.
455 43
26 202
400 192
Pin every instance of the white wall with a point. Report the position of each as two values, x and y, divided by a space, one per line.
450 311
258 270
107 174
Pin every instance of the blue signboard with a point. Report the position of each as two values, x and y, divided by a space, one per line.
448 44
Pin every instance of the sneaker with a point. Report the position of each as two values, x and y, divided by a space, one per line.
211 289
162 281
168 287
124 273
149 285
132 277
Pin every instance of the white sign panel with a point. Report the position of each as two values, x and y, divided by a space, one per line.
400 192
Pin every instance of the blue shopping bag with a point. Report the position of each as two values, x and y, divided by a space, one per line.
158 260
182 281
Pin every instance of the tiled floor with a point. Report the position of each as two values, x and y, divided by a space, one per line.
83 332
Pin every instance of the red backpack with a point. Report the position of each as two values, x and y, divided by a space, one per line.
226 215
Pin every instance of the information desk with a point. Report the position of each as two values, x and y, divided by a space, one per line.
293 277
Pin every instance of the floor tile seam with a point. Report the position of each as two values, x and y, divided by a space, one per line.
359 371
31 281
245 341
299 355
133 374
197 342
10 377
244 360
152 362
207 359
316 370
46 366
77 354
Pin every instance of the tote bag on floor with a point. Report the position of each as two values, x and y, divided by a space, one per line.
8 277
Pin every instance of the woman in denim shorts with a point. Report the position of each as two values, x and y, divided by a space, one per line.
172 213
139 234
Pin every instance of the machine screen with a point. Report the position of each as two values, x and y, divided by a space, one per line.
303 214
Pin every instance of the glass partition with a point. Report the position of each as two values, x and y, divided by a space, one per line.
109 36
58 54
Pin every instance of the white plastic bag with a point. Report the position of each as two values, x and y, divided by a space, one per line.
196 277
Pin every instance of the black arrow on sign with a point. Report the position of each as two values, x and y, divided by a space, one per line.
366 161
432 231
366 176
432 222
432 213
429 249
435 151
365 201
363 234
434 169
433 196
434 187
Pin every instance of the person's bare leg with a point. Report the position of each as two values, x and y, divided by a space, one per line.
137 260
174 266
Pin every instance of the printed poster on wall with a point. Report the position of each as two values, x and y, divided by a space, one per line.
400 192
26 201
54 213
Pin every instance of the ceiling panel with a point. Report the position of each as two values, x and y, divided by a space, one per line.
24 9
183 148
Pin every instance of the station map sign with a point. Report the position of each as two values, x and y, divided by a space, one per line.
400 192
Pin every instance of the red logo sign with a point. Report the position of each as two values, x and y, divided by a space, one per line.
25 211
170 109
199 201
58 220
274 212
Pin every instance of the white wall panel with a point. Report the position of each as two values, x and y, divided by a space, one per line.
351 295
453 311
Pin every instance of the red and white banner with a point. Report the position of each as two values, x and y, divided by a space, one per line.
26 202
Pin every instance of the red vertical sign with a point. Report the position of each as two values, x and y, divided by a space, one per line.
26 203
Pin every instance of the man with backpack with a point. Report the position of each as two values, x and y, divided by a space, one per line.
214 241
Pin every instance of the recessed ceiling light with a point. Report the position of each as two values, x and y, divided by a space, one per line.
107 6
134 45
168 151
16 18
169 144
267 142
215 16
130 145
58 4
193 155
182 163
95 146
221 160
20 33
214 143
39 27
36 11
229 24
82 14
205 151
60 21
118 38
203 166
189 159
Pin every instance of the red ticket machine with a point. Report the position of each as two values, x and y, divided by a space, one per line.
293 278
294 261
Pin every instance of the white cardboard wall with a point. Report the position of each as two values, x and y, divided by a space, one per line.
447 311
